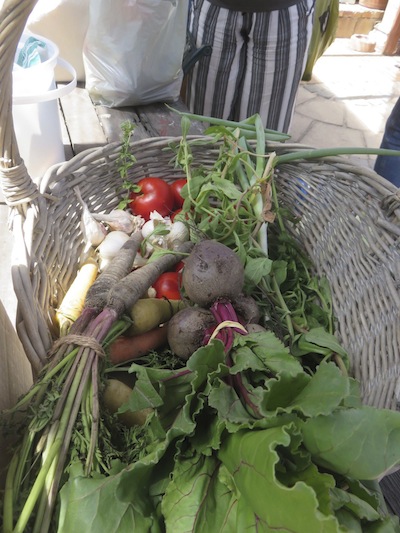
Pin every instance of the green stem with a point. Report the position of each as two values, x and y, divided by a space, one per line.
8 512
94 433
67 422
37 488
328 152
44 381
283 305
53 452
271 135
44 500
25 450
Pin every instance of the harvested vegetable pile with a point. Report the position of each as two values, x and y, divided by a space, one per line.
241 416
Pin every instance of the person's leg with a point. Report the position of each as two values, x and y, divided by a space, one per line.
389 166
212 84
276 57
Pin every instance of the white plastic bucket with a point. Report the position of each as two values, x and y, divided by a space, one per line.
36 114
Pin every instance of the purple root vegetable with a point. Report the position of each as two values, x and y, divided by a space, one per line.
255 328
186 330
247 309
194 327
212 271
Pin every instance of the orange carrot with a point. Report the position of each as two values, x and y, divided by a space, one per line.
127 348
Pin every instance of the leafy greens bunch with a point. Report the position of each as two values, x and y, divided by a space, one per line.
309 459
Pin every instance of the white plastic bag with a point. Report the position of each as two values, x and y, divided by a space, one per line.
133 51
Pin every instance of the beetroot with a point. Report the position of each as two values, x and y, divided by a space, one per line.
212 271
186 330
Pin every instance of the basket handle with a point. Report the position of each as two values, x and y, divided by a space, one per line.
18 187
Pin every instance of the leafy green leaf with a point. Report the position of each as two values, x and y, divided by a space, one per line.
197 499
268 349
352 441
252 457
320 337
323 393
257 269
92 505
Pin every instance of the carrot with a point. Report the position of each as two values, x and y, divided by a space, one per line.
72 304
127 348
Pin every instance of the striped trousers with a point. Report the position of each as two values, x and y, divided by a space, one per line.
256 63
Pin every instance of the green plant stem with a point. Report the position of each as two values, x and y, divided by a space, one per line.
40 388
37 488
94 433
44 502
67 424
8 512
328 152
270 135
282 303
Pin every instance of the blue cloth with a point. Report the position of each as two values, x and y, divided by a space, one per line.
30 53
389 166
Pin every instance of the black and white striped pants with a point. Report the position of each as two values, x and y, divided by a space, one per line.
256 63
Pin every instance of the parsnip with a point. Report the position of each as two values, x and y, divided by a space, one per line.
73 301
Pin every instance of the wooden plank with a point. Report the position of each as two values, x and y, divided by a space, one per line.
153 120
65 136
81 122
111 119
161 121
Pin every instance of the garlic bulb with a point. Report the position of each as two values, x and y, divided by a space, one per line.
173 233
110 246
120 220
93 231
149 231
178 234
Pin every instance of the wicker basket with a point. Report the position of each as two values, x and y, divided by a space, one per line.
350 227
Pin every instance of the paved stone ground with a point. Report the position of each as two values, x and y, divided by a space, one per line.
347 101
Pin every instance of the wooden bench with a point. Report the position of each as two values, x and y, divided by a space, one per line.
86 125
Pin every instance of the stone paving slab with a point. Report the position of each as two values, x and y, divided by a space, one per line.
347 101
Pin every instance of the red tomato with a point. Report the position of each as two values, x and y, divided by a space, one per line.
167 286
155 195
176 187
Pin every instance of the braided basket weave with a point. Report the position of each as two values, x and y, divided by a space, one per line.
350 227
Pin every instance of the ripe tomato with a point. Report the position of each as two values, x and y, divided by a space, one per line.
176 187
167 286
155 195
